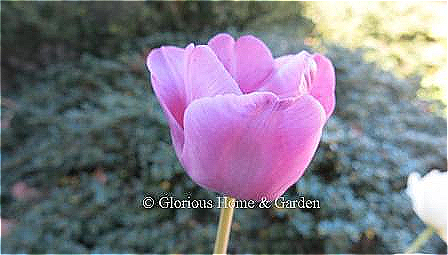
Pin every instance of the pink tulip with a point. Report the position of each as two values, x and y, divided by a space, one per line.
243 123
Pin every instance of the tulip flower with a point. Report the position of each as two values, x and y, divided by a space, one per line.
429 195
243 123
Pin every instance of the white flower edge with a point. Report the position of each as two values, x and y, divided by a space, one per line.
429 195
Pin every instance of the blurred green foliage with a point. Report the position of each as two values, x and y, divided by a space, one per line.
82 104
407 38
36 34
95 27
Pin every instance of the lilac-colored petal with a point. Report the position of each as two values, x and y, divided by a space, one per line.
250 146
324 82
176 129
285 59
224 47
207 76
248 59
254 63
167 68
291 77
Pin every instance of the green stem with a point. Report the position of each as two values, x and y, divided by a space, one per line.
421 239
225 223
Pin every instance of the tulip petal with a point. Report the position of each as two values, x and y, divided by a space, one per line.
224 47
250 146
248 59
292 75
429 199
254 63
176 129
324 83
207 76
167 66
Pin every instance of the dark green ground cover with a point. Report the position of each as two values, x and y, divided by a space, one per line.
80 103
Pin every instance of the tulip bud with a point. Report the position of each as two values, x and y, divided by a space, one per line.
429 195
242 122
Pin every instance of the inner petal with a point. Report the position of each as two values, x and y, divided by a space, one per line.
292 76
248 60
206 75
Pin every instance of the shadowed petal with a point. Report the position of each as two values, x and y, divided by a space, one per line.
250 146
206 75
176 129
167 67
292 75
324 82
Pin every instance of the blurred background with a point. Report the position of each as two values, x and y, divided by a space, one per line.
83 139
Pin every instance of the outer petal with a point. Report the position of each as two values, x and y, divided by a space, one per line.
250 146
248 59
324 82
206 75
167 67
292 75
176 129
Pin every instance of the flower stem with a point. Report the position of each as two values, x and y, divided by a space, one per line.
421 239
225 223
